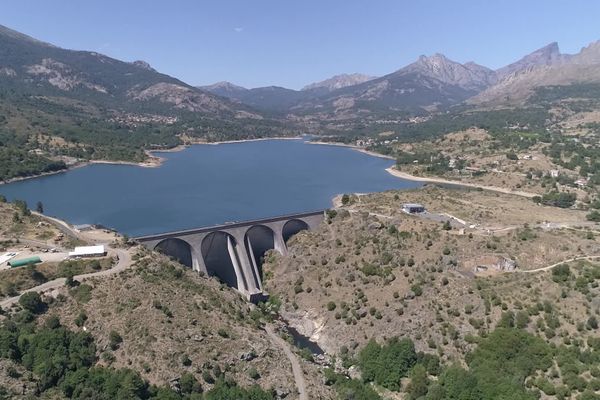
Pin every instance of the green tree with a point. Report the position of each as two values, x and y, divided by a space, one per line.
31 301
419 382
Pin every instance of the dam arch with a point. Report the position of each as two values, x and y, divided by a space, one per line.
177 249
292 227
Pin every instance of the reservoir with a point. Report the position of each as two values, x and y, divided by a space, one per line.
206 185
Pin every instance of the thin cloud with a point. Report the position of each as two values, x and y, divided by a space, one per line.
238 29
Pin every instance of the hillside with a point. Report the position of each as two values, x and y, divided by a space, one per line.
375 273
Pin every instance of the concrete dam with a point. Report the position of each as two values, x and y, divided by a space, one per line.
233 252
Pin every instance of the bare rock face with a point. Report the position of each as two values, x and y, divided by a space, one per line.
61 75
143 65
8 72
545 56
544 67
469 76
180 96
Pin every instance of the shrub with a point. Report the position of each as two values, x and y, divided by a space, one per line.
253 373
114 340
417 289
32 302
593 216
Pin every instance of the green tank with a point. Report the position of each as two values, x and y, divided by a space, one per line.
24 261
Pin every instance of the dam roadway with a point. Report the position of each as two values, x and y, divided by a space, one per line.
233 252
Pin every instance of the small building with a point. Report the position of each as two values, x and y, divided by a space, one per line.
83 227
88 251
554 173
413 208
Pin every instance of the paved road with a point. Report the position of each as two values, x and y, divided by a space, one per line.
124 262
296 368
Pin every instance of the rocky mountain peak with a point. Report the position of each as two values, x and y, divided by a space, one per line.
470 76
144 65
546 56
339 81
589 54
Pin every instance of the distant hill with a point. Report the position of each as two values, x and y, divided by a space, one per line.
337 82
270 99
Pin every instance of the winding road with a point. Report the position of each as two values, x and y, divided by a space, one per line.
296 368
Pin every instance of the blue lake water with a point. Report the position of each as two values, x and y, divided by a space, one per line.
207 185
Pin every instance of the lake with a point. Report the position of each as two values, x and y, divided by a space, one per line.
206 185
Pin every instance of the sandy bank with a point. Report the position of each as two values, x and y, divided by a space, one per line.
357 148
403 175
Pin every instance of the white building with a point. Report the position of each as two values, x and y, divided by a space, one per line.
88 251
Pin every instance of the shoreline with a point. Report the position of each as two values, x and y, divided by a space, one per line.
354 147
403 175
156 161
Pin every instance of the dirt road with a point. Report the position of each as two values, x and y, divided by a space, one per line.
296 368
123 263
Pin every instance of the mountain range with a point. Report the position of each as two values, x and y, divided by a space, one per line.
88 82
428 84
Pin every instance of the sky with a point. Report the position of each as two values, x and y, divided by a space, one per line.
292 43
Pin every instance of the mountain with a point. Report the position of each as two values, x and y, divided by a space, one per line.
469 76
429 83
545 67
225 89
338 82
266 99
545 56
29 65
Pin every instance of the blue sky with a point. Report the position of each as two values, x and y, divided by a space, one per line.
292 43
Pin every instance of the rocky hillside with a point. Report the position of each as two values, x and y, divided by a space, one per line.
372 273
545 67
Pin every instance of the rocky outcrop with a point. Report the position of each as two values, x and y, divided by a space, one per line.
61 75
180 96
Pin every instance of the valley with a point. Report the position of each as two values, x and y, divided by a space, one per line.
428 232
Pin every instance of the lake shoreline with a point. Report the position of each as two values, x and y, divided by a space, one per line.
406 176
354 147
